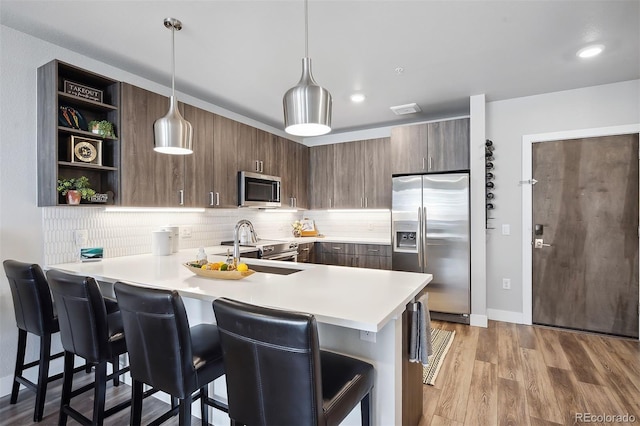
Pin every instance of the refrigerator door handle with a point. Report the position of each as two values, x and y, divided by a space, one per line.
420 239
424 236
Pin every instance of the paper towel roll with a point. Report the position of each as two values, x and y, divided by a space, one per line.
161 243
175 237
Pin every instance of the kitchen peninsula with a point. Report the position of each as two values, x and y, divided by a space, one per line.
359 311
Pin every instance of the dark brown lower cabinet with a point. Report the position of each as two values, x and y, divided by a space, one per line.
306 253
373 256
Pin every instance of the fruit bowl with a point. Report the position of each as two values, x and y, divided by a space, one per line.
221 275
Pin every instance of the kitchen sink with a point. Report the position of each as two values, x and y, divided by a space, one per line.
268 269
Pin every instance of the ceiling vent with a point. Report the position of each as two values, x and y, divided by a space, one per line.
405 109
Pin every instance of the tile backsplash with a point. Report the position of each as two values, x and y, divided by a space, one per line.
126 233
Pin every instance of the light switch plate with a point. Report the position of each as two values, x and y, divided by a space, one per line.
506 229
81 237
185 232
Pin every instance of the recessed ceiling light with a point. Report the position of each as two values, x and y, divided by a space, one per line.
358 97
590 51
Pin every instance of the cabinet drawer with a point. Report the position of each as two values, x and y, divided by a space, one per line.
337 248
372 250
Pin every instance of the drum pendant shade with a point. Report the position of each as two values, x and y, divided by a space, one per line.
172 133
307 105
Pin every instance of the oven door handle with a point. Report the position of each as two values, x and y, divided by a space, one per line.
293 254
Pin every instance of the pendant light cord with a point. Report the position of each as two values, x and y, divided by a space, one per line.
306 28
173 60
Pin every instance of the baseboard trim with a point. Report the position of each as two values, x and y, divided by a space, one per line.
505 316
479 320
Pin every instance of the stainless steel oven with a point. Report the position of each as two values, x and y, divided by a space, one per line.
287 256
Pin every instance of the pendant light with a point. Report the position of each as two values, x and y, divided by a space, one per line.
172 133
307 106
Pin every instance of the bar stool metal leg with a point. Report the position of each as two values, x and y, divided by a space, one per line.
22 344
67 383
43 375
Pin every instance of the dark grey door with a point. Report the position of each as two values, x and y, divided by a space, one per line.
585 225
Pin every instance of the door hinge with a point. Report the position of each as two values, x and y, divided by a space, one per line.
528 182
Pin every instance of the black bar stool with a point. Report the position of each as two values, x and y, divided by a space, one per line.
277 374
166 354
35 313
89 331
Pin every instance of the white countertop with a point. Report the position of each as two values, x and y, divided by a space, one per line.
364 299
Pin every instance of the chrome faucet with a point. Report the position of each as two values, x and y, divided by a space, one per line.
236 238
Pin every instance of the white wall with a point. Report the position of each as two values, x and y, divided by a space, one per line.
507 122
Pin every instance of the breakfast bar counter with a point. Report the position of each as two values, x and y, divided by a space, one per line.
360 312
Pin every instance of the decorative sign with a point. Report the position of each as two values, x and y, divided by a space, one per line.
99 198
82 91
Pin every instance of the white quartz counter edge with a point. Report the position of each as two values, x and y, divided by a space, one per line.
363 299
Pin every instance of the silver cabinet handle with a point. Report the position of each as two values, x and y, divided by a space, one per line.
305 249
217 198
329 202
261 166
422 163
361 202
366 202
337 248
373 250
295 202
430 165
256 165
211 202
181 192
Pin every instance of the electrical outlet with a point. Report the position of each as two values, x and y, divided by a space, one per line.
368 336
506 229
370 226
185 232
506 283
81 237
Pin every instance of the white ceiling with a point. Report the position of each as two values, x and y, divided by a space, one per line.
244 55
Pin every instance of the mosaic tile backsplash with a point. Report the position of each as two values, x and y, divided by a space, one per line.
126 233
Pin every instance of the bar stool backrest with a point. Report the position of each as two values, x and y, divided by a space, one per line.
158 338
82 315
32 301
272 364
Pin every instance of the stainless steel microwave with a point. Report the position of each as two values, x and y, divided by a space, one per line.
258 190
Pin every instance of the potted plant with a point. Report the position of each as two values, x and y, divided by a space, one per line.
102 128
75 189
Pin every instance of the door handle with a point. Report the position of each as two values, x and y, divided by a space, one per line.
424 236
420 238
539 243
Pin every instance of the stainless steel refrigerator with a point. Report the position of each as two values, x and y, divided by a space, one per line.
430 234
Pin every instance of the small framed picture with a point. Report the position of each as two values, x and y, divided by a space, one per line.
91 254
86 150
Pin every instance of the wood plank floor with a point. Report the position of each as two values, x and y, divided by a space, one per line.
21 414
512 374
505 374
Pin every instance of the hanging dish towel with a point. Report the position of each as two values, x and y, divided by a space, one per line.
420 338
